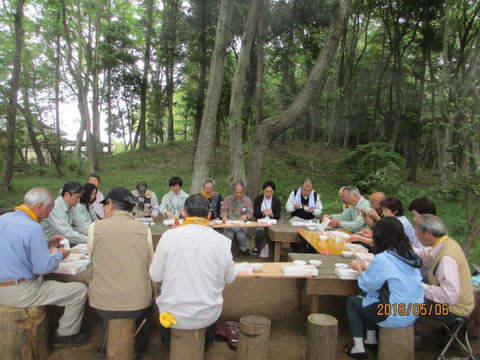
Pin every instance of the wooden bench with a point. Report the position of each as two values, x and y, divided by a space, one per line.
23 333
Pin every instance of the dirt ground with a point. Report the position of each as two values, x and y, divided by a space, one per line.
275 299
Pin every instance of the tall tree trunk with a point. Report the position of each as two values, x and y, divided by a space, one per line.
57 99
237 167
171 10
249 94
82 82
444 154
27 113
397 74
98 149
337 112
146 67
205 147
202 79
274 126
109 110
418 115
260 41
7 171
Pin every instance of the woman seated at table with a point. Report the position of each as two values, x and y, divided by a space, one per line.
390 283
84 213
393 207
265 206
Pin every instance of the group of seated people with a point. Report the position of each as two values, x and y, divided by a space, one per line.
416 268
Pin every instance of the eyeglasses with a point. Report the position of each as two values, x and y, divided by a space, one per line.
106 202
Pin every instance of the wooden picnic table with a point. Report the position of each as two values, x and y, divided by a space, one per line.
326 283
272 270
158 229
312 237
282 233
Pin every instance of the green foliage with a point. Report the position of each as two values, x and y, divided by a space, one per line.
388 179
372 167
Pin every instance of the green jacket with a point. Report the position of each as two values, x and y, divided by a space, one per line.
350 219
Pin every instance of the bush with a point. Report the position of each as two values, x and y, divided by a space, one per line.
373 167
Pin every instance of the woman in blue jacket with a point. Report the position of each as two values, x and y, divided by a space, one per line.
391 283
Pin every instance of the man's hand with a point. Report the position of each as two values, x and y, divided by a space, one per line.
170 214
64 252
334 223
267 212
224 220
372 214
298 206
309 210
243 217
54 241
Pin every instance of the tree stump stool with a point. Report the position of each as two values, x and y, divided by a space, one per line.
322 332
120 339
396 343
253 337
187 344
23 333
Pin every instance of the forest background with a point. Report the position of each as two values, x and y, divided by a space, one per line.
382 94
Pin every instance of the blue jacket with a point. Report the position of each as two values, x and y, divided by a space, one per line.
404 283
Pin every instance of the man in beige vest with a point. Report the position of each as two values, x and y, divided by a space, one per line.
121 251
448 292
146 202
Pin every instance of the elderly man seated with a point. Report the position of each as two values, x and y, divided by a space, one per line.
193 262
214 198
172 202
25 257
374 213
350 219
304 203
60 219
146 203
449 284
121 250
237 207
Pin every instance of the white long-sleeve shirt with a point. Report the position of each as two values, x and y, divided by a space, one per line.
290 205
193 262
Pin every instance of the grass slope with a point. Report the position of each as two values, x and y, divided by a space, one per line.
286 165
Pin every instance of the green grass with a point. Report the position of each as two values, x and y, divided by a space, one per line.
285 164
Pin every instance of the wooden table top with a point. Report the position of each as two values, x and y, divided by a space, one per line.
326 270
329 245
284 232
272 270
327 283
158 229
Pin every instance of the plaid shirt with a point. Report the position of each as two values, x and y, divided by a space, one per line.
233 209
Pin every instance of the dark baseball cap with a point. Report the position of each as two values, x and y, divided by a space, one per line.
119 194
